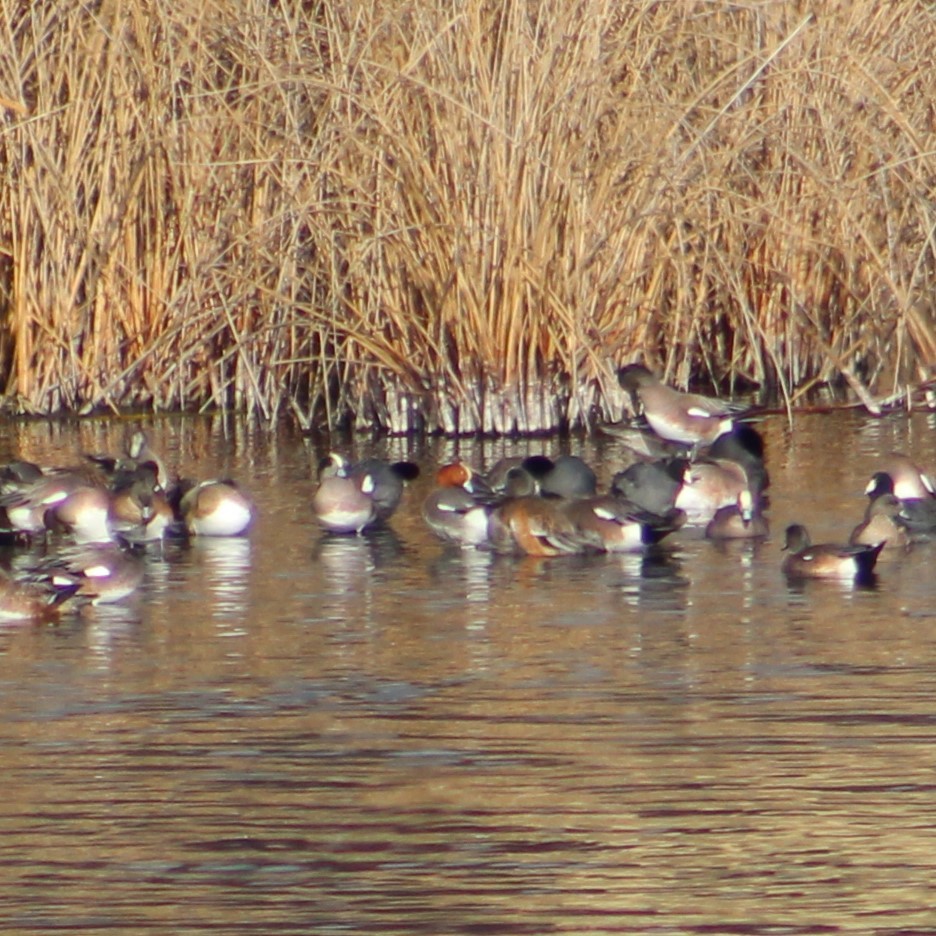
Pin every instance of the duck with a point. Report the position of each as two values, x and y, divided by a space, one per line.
688 418
137 452
611 524
28 503
529 524
342 507
19 473
564 476
97 574
215 507
741 520
84 514
458 474
141 452
733 463
651 485
496 476
909 480
827 560
916 514
457 509
93 513
708 485
341 503
22 600
882 524
642 442
140 508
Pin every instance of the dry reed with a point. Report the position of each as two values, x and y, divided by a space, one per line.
461 216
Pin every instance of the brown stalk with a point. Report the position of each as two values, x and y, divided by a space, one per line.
334 210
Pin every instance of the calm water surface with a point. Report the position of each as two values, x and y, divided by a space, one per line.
300 734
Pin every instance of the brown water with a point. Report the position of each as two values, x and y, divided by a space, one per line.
299 734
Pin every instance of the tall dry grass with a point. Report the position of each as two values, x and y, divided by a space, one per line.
461 216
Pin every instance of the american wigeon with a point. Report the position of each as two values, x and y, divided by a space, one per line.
689 418
84 514
140 508
916 514
80 503
457 509
910 481
744 445
137 451
216 508
388 482
651 485
496 476
19 473
96 573
733 464
31 600
882 524
527 523
708 485
741 520
643 442
352 497
827 560
28 503
457 517
343 504
563 476
99 574
611 524
140 451
94 514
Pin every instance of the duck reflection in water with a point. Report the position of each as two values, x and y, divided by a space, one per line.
225 569
348 558
654 580
461 586
463 572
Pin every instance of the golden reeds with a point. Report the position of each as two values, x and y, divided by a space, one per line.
461 216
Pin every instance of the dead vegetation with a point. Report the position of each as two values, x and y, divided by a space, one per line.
461 216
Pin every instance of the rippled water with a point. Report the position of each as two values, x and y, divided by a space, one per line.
302 734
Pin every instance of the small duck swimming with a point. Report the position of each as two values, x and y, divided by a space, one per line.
827 560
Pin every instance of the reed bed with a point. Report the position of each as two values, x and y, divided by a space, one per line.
462 217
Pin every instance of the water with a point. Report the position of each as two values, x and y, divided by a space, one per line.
301 734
